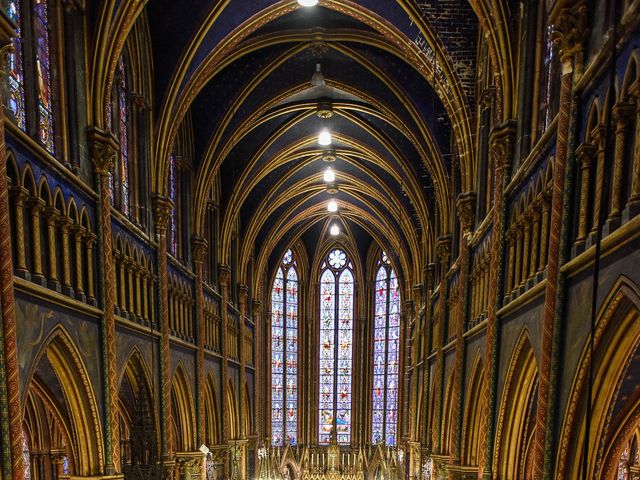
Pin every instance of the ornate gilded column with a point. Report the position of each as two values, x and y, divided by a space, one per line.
501 152
633 206
600 141
544 232
20 197
622 115
199 252
584 155
10 408
78 234
37 206
466 208
52 218
568 32
162 208
425 437
103 153
90 239
444 254
535 241
258 360
244 298
224 274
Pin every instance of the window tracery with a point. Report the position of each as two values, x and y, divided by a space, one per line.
336 347
386 347
284 353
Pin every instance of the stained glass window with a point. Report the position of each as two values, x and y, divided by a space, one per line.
123 137
43 71
26 457
16 71
386 346
284 354
173 224
336 349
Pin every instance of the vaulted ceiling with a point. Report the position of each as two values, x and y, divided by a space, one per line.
399 82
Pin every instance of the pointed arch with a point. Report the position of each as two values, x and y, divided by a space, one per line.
231 411
60 354
616 343
182 412
212 413
473 414
516 418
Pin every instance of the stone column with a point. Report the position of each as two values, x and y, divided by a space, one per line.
37 206
103 153
444 253
501 152
244 298
568 33
20 196
10 408
259 366
600 140
584 155
622 115
425 437
162 208
199 252
633 206
465 210
52 217
224 273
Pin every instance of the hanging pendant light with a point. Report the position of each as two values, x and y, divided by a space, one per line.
329 176
335 230
332 206
307 3
317 80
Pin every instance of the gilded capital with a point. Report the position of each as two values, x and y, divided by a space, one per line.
585 154
104 148
501 146
224 275
162 207
257 308
466 210
444 248
198 248
569 30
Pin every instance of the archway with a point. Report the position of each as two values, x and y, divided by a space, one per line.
615 391
516 424
61 412
182 416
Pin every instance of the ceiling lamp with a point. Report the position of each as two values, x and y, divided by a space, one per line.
324 138
332 206
329 176
308 3
317 80
335 230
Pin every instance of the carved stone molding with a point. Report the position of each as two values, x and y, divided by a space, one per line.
104 148
466 210
162 207
501 146
569 30
224 274
198 248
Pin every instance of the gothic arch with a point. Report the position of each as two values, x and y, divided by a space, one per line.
473 414
514 434
212 412
60 354
182 412
616 343
232 412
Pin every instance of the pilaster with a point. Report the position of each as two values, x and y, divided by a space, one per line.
199 252
104 149
569 30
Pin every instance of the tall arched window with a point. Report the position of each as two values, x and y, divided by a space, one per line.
16 71
284 353
120 124
43 72
386 346
336 347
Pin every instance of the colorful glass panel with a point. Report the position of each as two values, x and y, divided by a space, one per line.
277 360
173 224
345 354
123 133
386 355
43 68
336 349
16 70
327 354
284 355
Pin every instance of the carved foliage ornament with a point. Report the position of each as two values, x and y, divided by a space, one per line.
569 30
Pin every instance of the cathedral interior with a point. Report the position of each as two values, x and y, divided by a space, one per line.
320 239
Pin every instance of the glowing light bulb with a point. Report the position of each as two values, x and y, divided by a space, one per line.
308 3
332 206
335 230
329 176
324 138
